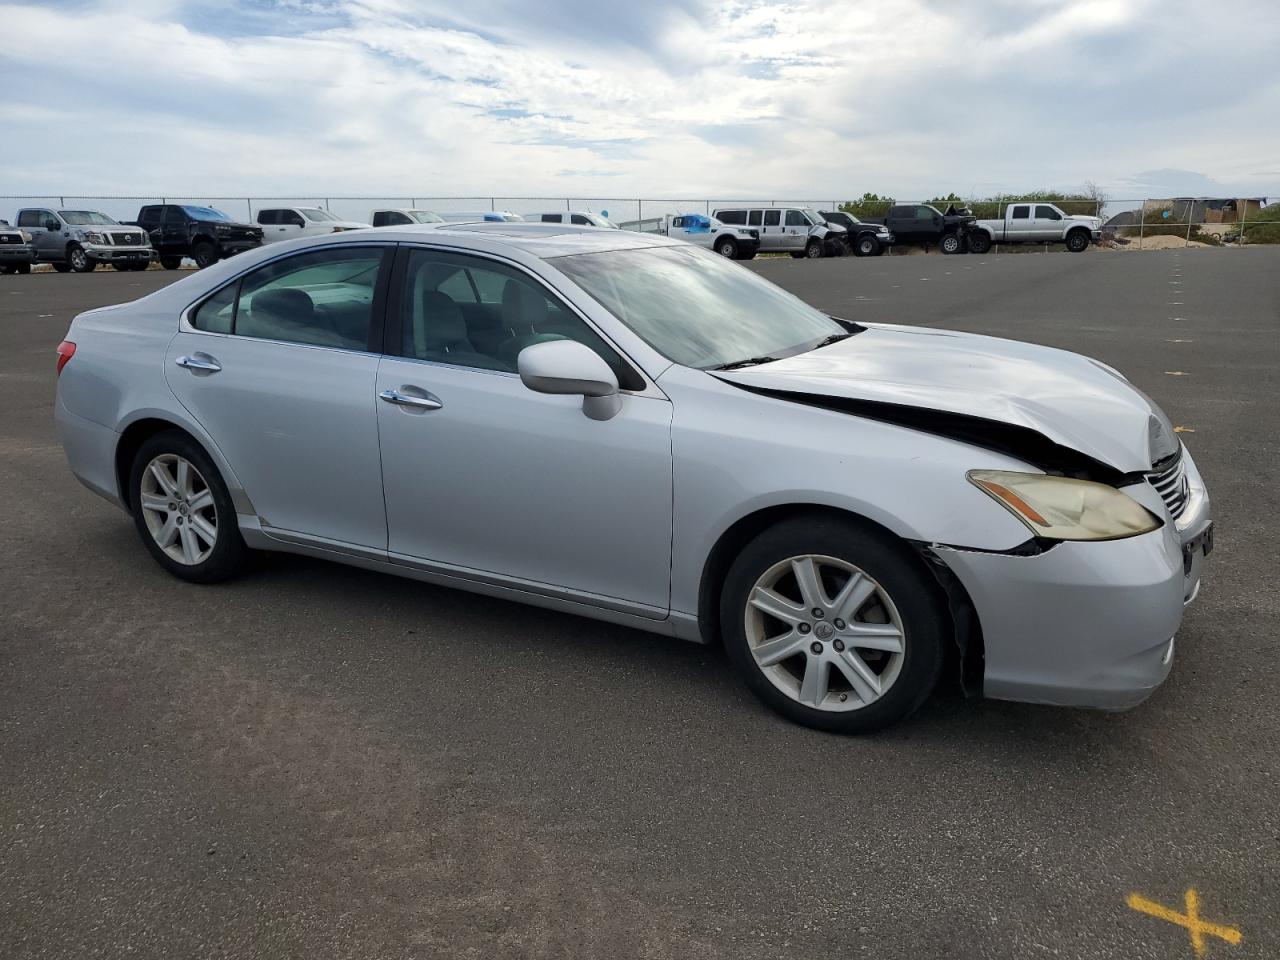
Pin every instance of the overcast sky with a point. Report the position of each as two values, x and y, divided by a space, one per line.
623 98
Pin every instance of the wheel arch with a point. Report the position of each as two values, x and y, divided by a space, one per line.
145 426
965 655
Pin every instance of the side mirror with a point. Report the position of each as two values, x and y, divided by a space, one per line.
572 368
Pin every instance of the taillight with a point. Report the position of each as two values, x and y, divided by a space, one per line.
66 350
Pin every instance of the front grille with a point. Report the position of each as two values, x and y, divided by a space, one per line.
126 239
1170 480
11 238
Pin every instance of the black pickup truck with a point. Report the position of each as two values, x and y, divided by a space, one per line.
920 224
204 234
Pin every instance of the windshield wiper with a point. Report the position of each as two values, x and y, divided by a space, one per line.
748 362
834 338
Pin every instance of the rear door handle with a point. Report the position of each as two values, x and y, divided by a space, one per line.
428 402
200 361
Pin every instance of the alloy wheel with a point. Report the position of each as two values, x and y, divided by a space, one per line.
178 508
824 633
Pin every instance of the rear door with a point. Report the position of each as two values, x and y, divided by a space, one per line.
1020 227
278 368
173 228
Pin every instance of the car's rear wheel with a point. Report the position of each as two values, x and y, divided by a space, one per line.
979 242
952 243
834 624
813 250
205 254
61 266
1078 241
867 246
5 268
23 268
171 263
183 511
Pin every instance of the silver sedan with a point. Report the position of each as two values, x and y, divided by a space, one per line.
633 429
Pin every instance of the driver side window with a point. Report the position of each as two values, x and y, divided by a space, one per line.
442 321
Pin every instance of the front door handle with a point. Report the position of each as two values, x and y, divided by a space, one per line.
428 402
201 362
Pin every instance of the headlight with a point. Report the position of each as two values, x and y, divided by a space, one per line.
93 237
1061 508
26 237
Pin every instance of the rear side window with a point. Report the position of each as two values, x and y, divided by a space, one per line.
551 218
753 218
268 217
738 217
322 299
1022 213
30 218
772 218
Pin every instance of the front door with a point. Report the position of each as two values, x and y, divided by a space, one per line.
277 369
485 477
1048 225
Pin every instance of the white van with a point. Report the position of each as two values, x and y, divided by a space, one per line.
795 230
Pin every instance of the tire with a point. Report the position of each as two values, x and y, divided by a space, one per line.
1078 241
866 246
979 242
188 554
952 243
727 248
890 685
170 263
813 250
79 261
5 269
61 266
23 268
205 254
797 255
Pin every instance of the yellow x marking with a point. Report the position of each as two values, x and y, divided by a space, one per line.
1198 929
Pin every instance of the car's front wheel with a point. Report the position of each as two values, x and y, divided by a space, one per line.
867 246
813 250
170 263
727 248
833 624
205 254
80 261
1078 241
183 511
952 243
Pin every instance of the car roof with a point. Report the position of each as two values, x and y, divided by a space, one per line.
542 240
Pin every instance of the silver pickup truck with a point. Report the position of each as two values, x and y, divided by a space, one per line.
79 240
1036 223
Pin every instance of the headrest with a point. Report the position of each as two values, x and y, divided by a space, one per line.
522 308
442 324
285 303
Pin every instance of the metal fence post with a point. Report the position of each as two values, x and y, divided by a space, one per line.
1142 223
640 212
493 203
1191 212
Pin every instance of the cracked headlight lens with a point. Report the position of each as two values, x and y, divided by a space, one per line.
1061 508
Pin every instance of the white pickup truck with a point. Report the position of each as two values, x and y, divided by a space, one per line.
736 243
1036 223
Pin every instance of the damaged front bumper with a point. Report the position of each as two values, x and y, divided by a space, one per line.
1088 624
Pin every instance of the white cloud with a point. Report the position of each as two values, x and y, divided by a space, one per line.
731 98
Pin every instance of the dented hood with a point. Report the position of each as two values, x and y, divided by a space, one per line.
1069 400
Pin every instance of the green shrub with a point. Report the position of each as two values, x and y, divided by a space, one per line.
1263 225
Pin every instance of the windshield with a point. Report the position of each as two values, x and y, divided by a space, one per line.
84 217
206 213
697 308
425 216
315 213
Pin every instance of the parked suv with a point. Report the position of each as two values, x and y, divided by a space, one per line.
289 223
204 234
866 239
921 224
16 252
79 240
794 230
401 216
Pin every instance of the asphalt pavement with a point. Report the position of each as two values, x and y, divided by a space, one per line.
317 761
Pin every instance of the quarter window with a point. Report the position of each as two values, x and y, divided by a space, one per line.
441 322
323 299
